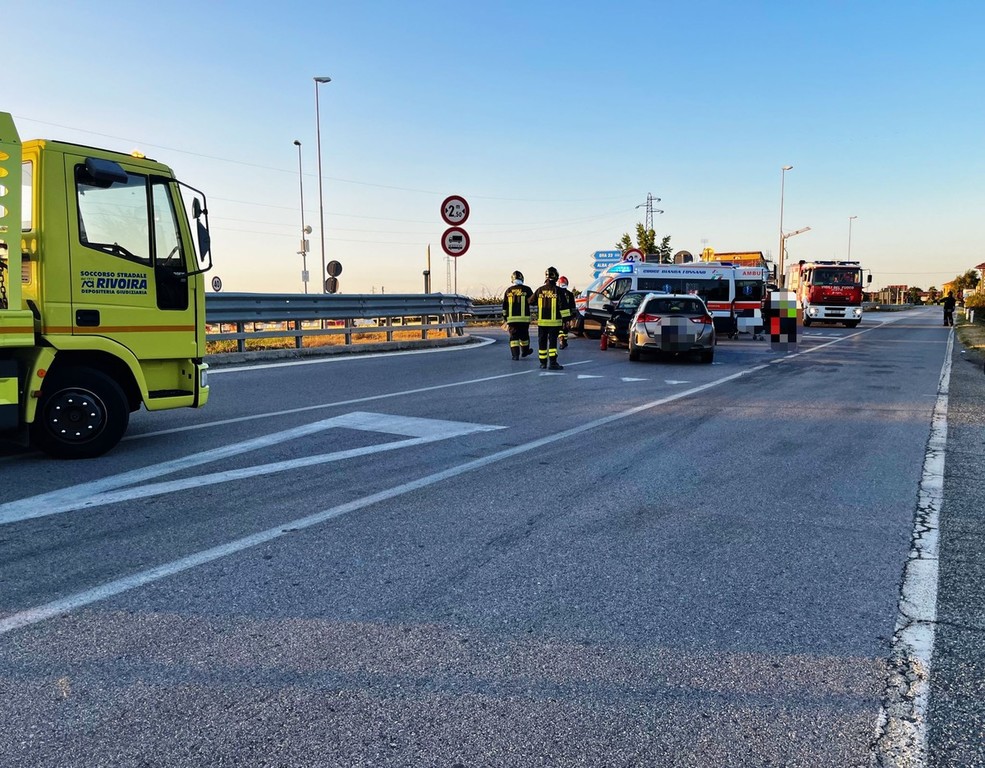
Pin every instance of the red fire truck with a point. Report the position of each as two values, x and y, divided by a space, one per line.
828 291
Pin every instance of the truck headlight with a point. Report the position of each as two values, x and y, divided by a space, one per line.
203 377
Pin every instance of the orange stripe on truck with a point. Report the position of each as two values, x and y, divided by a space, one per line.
99 330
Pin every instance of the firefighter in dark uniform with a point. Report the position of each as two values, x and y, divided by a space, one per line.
569 300
949 304
516 315
552 312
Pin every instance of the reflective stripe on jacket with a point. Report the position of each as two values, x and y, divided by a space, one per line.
516 304
552 308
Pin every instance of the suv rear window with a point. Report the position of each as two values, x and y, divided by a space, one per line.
674 307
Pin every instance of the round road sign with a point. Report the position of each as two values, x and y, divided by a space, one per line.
634 254
333 268
454 210
216 284
455 241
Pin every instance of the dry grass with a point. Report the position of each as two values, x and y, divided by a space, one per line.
971 335
330 340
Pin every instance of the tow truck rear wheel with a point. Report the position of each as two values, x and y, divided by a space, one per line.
82 414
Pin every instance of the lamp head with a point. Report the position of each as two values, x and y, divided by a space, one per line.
323 79
297 143
787 168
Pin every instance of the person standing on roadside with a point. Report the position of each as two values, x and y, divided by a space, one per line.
569 301
949 308
551 314
516 315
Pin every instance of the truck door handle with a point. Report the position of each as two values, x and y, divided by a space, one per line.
87 318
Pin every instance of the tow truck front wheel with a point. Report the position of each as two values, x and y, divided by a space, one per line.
82 414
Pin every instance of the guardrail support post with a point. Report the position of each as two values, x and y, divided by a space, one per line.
240 342
298 339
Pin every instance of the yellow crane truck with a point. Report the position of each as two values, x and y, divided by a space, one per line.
102 294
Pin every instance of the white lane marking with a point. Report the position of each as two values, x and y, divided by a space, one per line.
348 357
589 376
322 406
630 378
675 381
901 733
104 490
118 586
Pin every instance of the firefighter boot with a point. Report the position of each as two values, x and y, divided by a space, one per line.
556 366
527 351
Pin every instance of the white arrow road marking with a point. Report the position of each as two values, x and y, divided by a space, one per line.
675 381
125 584
588 376
111 490
630 378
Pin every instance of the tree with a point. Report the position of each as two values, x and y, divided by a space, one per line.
913 295
934 293
666 257
968 280
646 241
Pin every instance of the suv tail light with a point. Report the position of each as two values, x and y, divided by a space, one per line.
648 318
703 320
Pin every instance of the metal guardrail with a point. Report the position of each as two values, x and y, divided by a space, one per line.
486 310
272 315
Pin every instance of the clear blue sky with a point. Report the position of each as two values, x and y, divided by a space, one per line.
554 120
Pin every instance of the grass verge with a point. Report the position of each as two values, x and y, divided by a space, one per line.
972 335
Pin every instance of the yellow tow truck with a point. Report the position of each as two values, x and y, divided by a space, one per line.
102 294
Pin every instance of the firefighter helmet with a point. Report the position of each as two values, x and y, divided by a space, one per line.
562 282
551 273
517 275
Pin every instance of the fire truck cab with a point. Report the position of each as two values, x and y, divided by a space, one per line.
828 291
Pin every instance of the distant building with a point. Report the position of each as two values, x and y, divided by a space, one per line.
739 258
892 294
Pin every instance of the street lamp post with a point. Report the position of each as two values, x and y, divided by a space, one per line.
783 172
850 219
321 202
304 230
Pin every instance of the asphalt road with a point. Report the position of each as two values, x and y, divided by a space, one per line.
453 559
